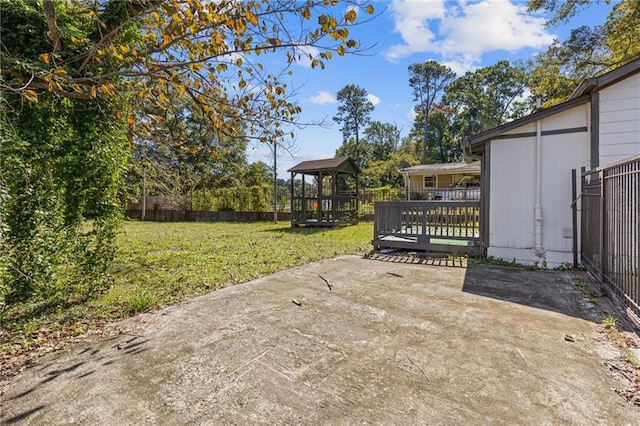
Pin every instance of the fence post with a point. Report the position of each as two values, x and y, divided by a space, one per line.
602 224
376 218
424 237
574 209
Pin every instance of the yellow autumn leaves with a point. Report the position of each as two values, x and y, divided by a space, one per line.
190 48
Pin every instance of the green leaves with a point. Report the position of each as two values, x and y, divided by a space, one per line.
487 97
354 113
72 74
62 161
587 52
427 80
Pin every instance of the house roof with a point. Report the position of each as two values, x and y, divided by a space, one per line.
581 95
487 135
337 163
595 84
443 168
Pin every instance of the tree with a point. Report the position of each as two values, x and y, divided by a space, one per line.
201 49
621 35
378 145
556 72
563 10
441 145
487 97
70 72
354 114
382 139
62 160
187 140
55 175
257 174
427 81
357 150
387 172
587 52
182 153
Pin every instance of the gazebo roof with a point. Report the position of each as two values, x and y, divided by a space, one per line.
343 164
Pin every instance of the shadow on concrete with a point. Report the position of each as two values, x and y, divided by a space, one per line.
400 256
25 393
548 290
129 347
22 416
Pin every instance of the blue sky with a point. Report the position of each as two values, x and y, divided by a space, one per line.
463 34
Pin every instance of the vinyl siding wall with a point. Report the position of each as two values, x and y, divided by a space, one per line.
620 120
513 185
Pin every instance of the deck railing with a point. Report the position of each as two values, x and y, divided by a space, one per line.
444 194
610 229
438 226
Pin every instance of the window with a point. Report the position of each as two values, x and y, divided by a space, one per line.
429 181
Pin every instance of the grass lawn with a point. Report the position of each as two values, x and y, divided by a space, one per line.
162 263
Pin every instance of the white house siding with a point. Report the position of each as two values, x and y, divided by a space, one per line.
620 120
561 154
512 197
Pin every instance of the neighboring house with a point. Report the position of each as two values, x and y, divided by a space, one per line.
526 205
442 181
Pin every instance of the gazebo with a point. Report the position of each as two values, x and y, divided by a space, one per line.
327 194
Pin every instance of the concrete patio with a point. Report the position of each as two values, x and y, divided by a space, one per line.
344 341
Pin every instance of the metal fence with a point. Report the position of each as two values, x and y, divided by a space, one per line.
438 226
610 229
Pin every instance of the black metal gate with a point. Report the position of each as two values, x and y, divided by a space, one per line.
610 229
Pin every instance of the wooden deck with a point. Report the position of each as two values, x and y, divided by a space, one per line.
430 226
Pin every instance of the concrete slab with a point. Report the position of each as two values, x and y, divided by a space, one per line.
388 343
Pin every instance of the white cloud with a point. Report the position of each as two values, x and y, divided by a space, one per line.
493 25
373 99
412 20
322 98
231 57
460 65
306 54
411 115
525 96
464 31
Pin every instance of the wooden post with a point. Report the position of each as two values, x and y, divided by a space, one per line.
292 202
319 197
357 194
304 200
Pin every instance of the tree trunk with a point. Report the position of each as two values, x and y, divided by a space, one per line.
425 139
50 15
